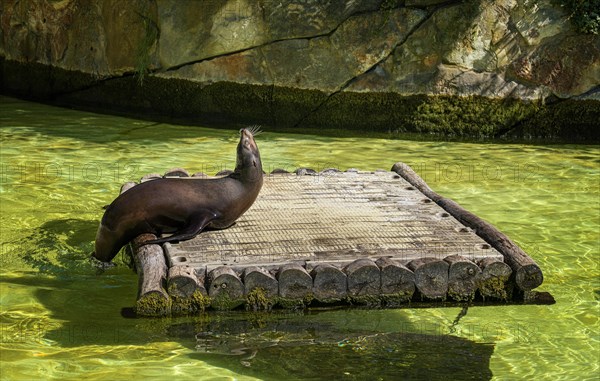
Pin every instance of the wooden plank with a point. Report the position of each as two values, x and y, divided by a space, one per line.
335 216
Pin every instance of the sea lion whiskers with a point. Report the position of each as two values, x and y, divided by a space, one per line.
254 130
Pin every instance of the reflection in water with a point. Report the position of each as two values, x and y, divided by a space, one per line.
279 346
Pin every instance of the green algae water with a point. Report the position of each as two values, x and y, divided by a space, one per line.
61 318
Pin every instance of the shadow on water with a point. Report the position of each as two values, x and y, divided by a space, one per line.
60 246
327 345
84 309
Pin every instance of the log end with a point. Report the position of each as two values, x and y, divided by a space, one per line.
294 282
364 278
225 289
529 277
494 280
329 284
153 303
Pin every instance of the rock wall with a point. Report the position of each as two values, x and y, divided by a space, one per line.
477 68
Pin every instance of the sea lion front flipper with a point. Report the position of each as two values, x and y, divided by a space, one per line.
197 222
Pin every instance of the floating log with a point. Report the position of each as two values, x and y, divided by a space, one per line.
294 282
495 278
528 274
200 174
151 267
185 286
261 288
225 288
177 172
463 278
257 277
431 277
397 281
364 277
329 283
329 171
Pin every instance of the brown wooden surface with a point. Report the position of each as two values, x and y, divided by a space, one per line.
528 273
463 278
495 277
294 281
334 217
431 277
152 277
329 282
396 278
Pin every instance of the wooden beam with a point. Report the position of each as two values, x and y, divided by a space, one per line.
528 274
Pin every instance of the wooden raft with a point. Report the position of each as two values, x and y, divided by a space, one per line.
368 238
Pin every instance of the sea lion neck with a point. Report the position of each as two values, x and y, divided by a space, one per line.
248 167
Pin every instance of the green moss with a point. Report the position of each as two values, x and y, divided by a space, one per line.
453 116
257 300
294 304
395 300
495 287
460 297
289 109
371 301
224 302
180 305
472 116
570 120
153 304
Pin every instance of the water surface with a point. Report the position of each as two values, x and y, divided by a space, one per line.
60 318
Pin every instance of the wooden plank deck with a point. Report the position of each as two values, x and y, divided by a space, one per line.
333 217
379 238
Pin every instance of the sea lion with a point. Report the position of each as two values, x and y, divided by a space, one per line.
182 206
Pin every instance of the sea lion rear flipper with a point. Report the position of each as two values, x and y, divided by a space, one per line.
197 222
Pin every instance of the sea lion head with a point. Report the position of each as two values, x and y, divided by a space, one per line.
248 161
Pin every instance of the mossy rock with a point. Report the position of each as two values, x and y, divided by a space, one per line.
567 120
